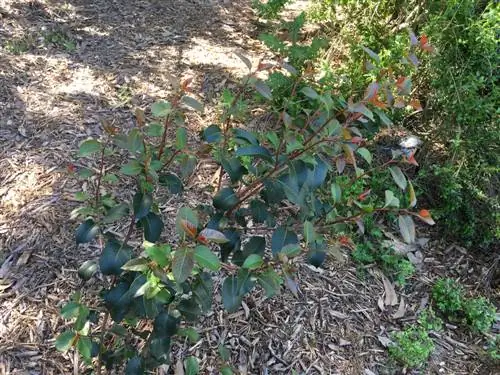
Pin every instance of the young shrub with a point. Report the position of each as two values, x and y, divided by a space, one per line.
480 314
412 347
448 296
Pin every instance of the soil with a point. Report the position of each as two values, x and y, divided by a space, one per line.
65 66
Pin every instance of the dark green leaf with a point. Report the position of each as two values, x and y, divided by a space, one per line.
113 257
182 264
116 213
270 281
309 232
263 89
363 109
255 151
118 300
259 211
159 348
159 254
87 231
82 319
172 182
166 325
189 309
193 103
132 168
154 130
181 138
245 60
309 92
230 294
70 310
192 366
316 257
243 136
153 226
234 244
336 192
189 332
291 250
256 245
142 203
161 108
87 269
187 164
226 370
224 353
84 347
134 366
225 199
234 169
212 134
206 258
89 147
245 281
202 290
135 141
65 340
282 237
253 261
272 192
111 178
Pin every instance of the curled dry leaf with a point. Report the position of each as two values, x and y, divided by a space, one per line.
425 216
391 298
401 310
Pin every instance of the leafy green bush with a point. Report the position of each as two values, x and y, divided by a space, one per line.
429 321
463 95
448 296
480 314
270 9
477 313
311 159
412 347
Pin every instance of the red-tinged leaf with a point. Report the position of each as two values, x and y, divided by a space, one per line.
140 117
185 82
413 59
399 103
264 66
371 91
71 168
371 53
213 236
357 140
424 44
407 228
404 85
340 163
364 195
347 242
378 103
411 159
426 217
188 227
415 103
413 38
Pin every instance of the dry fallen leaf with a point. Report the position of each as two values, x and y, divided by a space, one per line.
401 310
391 298
385 341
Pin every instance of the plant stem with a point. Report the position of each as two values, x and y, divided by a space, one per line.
164 137
99 176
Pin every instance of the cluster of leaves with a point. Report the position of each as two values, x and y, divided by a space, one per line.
478 313
412 347
305 165
270 9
